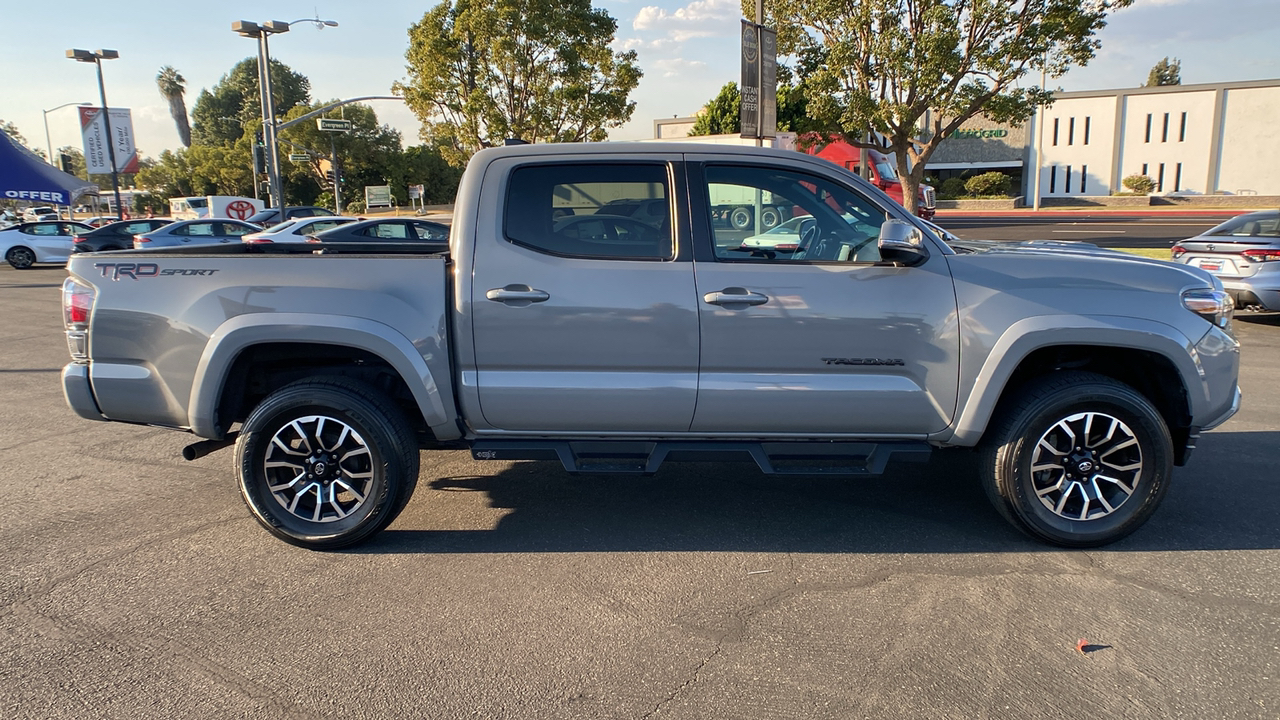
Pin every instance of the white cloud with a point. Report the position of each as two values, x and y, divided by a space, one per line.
675 67
701 18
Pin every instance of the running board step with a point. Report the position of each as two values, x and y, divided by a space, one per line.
773 458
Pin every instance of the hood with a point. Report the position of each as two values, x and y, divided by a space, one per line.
1065 252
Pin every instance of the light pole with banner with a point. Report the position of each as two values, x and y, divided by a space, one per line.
759 113
260 32
96 57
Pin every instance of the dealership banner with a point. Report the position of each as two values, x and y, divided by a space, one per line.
94 131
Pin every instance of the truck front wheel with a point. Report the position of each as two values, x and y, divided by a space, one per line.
326 463
1077 459
741 218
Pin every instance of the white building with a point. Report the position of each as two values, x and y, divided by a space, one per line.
1191 139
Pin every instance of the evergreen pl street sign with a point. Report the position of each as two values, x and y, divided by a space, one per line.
299 157
333 124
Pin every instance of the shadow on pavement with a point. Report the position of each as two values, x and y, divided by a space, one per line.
1223 500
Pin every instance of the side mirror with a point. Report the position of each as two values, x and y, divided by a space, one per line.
902 243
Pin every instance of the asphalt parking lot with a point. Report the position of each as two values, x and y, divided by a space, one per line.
136 584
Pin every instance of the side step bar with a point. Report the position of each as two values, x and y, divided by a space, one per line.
773 458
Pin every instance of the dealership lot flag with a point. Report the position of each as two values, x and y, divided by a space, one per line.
95 140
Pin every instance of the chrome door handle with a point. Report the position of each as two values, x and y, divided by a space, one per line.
517 295
735 296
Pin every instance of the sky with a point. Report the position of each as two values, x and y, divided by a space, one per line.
687 51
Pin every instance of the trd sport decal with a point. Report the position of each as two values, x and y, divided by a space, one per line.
136 271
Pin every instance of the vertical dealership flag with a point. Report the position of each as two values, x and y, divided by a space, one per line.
94 131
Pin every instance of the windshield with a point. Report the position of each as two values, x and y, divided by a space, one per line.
1251 225
886 171
198 202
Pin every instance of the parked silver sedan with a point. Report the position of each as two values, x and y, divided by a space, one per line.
1244 252
210 231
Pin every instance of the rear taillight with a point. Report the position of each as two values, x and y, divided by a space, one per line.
141 239
255 240
1262 254
313 239
77 306
1177 251
786 247
77 238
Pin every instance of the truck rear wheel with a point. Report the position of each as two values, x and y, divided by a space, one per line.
326 463
1077 459
740 218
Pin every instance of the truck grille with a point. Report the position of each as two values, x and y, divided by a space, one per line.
930 197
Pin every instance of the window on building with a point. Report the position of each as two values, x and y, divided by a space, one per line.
1053 179
1066 184
1148 137
1164 134
1177 177
1071 131
1055 131
1182 132
1084 174
1086 130
1160 179
1144 168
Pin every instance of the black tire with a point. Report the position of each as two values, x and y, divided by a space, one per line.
378 443
1069 501
741 218
20 258
770 217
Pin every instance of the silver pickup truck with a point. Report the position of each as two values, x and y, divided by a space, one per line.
551 328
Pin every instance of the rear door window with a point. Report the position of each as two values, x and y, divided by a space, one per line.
575 210
389 231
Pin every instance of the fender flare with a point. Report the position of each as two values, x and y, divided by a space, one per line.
1030 334
244 331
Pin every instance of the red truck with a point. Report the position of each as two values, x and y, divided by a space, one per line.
883 173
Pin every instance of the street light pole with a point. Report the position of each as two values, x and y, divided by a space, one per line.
47 141
260 32
96 57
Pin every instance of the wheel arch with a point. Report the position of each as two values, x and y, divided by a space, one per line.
1153 358
251 355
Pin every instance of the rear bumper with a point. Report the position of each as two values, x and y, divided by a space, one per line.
79 395
1252 295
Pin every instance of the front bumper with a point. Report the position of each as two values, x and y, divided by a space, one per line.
77 391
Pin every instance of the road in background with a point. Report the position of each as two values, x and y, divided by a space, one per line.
1113 229
137 586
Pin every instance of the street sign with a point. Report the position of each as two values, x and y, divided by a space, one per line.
299 157
333 124
415 192
377 196
759 81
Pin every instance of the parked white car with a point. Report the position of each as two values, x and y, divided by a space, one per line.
297 230
39 242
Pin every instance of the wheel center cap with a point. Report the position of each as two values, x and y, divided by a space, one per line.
1085 466
321 468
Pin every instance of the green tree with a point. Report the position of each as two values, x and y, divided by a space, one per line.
881 67
173 87
1165 72
223 112
722 115
539 70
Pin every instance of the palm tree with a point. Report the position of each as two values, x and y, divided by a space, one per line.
172 86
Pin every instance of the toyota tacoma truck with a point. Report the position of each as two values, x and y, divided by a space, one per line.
1080 376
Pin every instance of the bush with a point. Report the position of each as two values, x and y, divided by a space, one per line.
951 188
991 183
355 207
1140 184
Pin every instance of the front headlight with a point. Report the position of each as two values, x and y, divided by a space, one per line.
1215 306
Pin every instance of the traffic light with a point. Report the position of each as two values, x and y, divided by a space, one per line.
64 160
328 176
